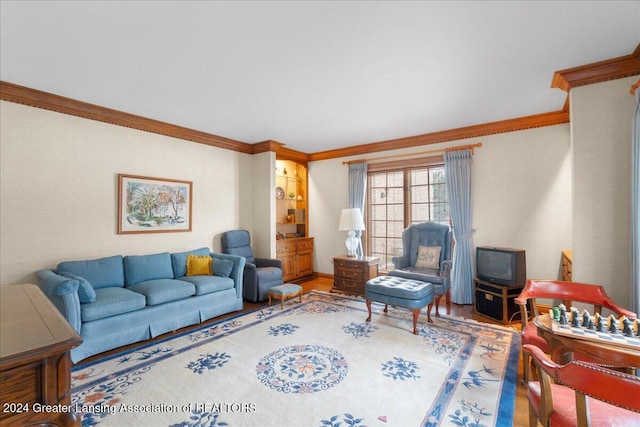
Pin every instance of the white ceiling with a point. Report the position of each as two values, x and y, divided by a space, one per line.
313 75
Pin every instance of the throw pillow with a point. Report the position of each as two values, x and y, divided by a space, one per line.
198 265
428 257
222 267
86 293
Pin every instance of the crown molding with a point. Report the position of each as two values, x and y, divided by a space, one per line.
266 146
48 101
610 69
502 126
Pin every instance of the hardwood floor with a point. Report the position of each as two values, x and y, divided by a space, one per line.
521 413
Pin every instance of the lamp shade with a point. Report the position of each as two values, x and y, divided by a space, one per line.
351 219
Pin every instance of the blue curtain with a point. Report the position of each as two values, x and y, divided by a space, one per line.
635 214
457 168
357 194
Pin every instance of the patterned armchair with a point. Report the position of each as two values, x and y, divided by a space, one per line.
426 256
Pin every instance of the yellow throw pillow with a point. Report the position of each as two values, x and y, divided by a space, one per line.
199 265
428 257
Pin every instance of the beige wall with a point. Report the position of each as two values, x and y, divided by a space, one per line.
521 197
58 187
601 117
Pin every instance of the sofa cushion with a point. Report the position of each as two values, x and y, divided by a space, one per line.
208 284
101 273
199 265
222 267
179 260
417 273
140 268
86 293
111 302
160 291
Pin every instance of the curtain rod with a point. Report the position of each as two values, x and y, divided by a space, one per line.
634 87
440 150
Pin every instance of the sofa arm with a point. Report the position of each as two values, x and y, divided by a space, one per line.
400 261
237 271
63 293
268 262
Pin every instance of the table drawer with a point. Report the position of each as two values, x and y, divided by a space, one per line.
349 286
349 265
349 274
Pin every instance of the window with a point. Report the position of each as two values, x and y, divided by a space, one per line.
401 194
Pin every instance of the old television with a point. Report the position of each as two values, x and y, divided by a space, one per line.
501 266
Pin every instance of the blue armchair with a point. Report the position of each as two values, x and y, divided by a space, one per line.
260 274
426 256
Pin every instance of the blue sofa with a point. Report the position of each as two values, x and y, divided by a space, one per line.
118 300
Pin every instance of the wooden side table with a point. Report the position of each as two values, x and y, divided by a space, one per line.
35 360
351 273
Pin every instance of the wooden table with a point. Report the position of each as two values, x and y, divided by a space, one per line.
351 273
562 347
35 360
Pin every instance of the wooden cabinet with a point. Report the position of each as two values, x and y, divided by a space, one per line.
567 264
296 255
35 360
350 274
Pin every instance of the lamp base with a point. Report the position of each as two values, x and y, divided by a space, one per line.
352 244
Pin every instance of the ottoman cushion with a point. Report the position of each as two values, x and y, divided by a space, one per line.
399 287
286 289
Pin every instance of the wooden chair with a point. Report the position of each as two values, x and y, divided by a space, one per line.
568 292
580 394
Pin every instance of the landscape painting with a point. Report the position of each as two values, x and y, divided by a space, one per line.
153 205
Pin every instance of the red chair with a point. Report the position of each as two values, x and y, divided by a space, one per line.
568 292
580 394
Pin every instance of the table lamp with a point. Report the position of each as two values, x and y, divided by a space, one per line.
351 221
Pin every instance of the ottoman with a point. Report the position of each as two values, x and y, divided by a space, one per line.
401 292
281 292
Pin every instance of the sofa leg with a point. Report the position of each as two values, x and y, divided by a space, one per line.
437 299
429 319
368 302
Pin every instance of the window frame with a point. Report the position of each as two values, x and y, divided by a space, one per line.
406 166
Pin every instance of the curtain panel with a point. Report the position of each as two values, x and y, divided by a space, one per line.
635 209
357 194
457 166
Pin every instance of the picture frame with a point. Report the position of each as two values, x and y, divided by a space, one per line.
153 205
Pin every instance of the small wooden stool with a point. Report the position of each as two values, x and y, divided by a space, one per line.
282 292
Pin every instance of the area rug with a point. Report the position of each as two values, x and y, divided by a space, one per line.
315 363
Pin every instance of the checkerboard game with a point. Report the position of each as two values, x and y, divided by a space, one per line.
578 329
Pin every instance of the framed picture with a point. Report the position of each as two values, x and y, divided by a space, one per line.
153 205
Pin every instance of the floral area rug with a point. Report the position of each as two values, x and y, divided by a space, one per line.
315 363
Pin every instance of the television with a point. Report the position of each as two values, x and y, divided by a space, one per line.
501 266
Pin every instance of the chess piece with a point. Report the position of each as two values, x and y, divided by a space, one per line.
613 324
563 314
600 327
590 324
585 318
626 327
575 317
637 327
